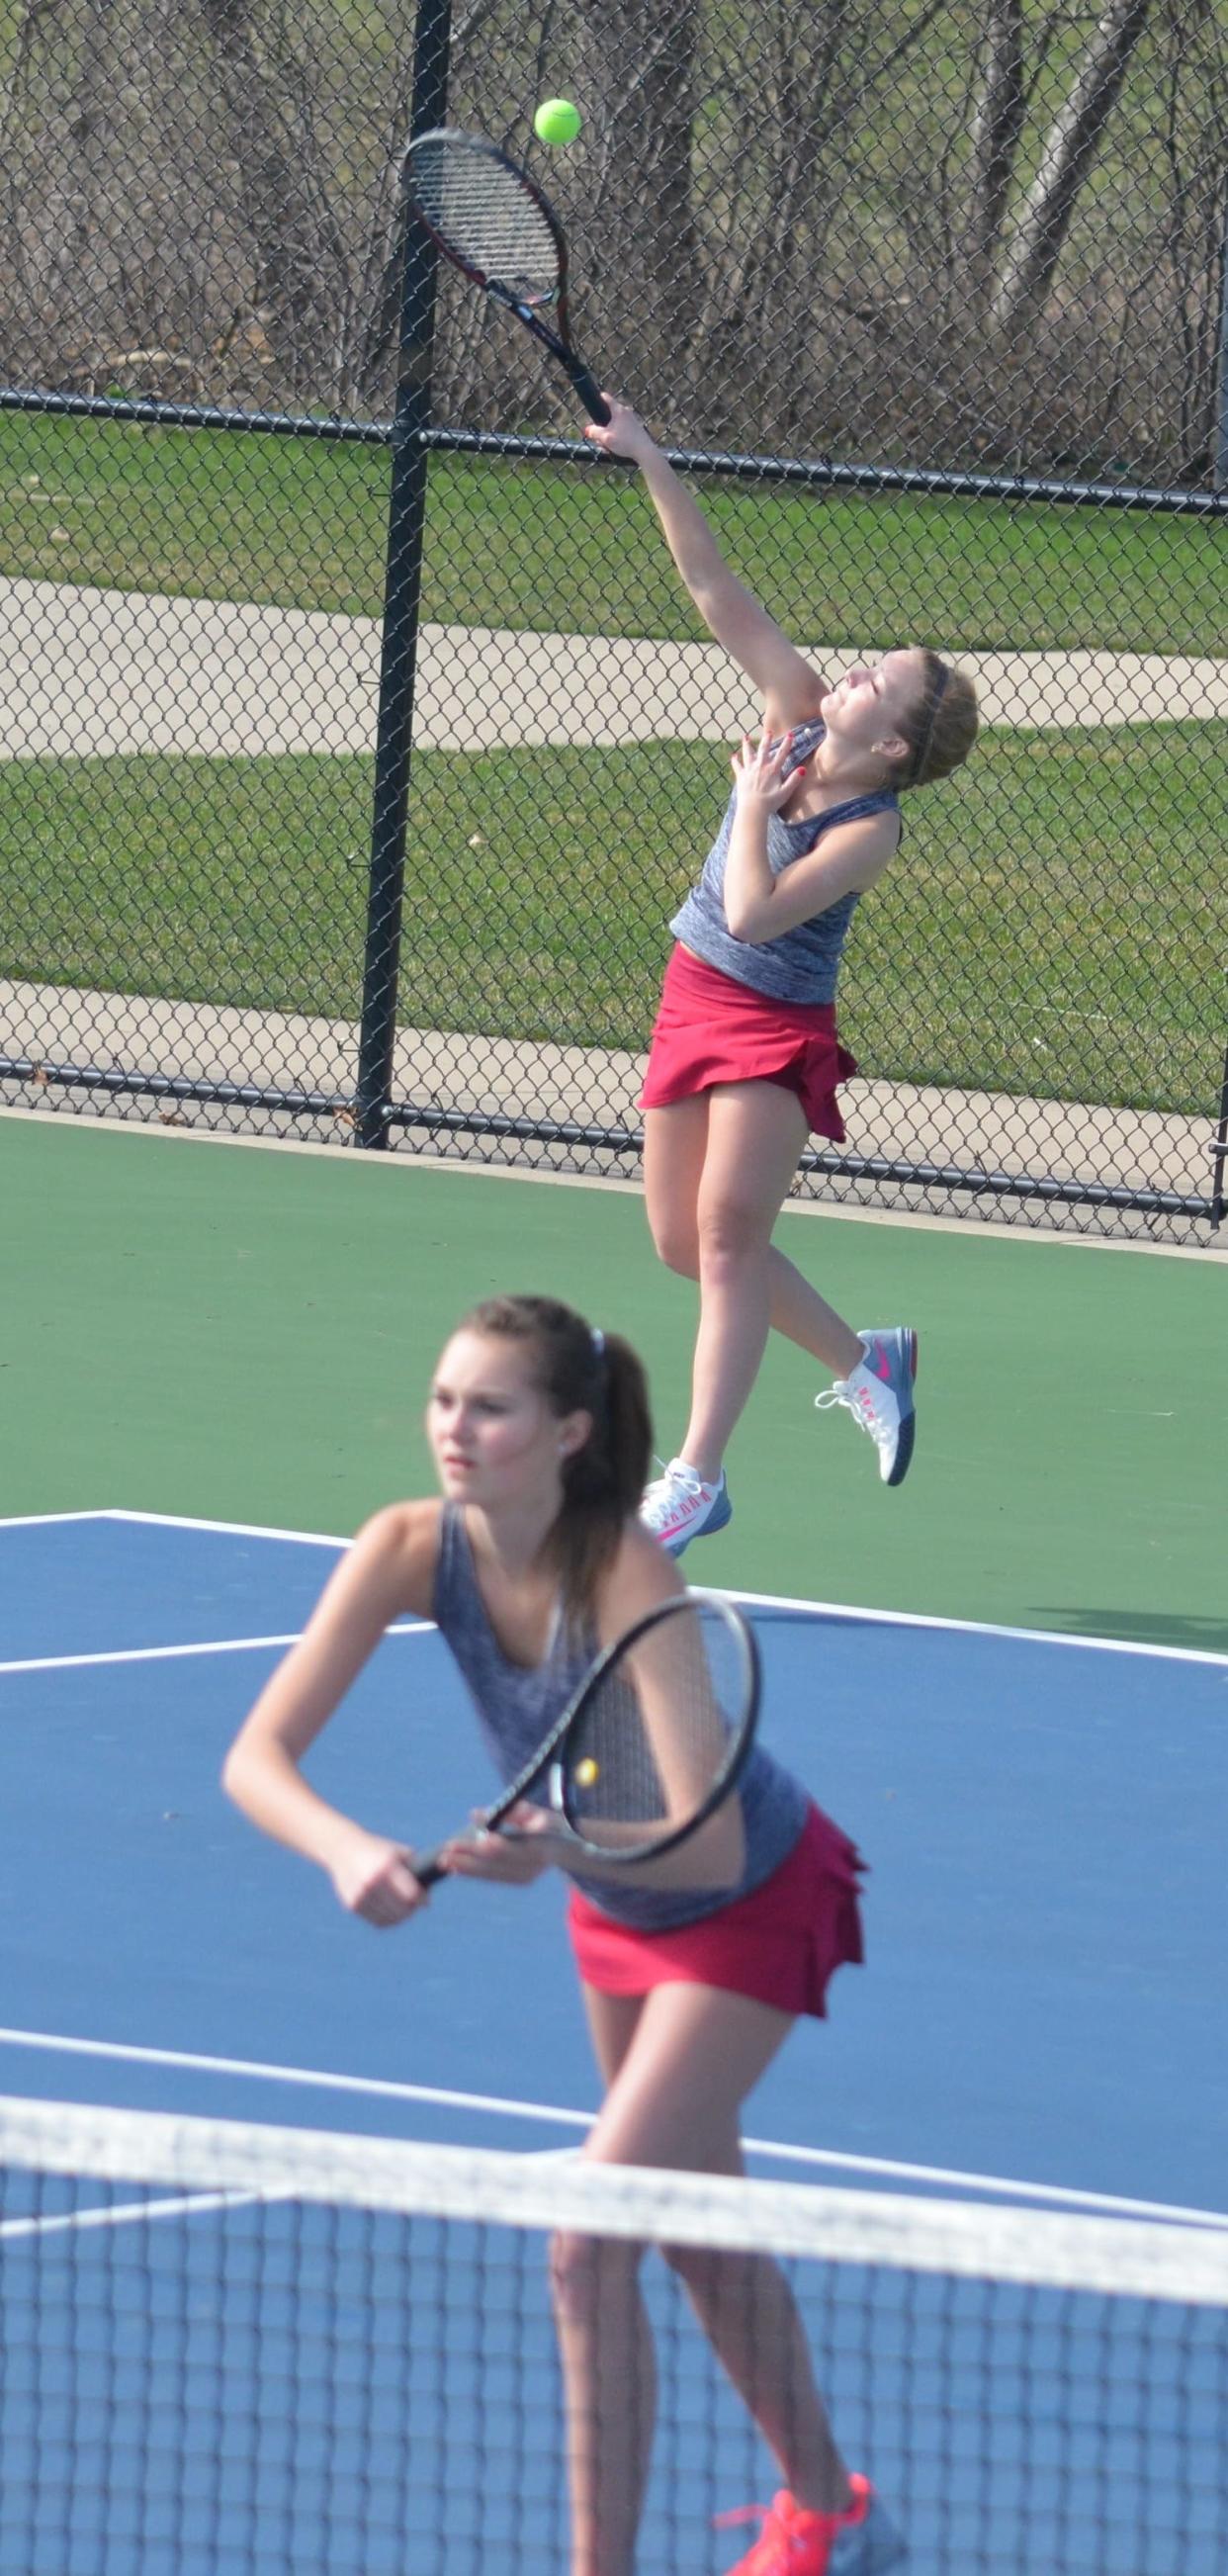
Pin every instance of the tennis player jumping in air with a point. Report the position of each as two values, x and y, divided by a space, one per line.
745 1057
534 1559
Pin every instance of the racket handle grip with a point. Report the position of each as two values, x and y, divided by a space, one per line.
428 1868
589 392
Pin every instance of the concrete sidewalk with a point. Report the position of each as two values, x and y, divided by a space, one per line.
438 1072
97 672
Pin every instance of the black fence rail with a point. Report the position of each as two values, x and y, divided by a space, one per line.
358 743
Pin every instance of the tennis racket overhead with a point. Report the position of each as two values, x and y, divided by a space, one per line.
493 222
651 1744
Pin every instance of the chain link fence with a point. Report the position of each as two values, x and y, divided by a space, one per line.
357 740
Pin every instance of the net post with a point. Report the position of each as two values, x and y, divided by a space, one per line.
402 596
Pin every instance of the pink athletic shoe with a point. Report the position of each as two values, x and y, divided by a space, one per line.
793 2542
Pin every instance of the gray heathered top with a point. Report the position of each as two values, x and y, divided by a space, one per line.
804 963
517 1705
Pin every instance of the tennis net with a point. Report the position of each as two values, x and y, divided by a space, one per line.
233 2348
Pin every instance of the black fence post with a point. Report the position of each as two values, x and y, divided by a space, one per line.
402 593
1219 1155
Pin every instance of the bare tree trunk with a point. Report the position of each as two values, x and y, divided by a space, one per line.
271 190
798 96
996 130
639 228
1032 254
91 129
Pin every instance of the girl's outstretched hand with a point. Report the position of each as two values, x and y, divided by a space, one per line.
375 1878
766 775
514 1856
623 434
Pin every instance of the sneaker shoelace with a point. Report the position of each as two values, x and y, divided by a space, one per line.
672 1489
860 1403
669 1476
780 2543
773 2534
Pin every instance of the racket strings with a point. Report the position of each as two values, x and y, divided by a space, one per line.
659 1735
614 1776
484 215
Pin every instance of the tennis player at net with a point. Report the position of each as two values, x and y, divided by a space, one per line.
693 1965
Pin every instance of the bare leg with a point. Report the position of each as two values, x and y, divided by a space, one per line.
802 1316
756 1131
679 2063
708 1152
609 2380
606 2350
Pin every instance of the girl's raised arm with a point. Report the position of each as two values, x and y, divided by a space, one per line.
791 688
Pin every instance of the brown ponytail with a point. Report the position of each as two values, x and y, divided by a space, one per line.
582 1371
941 732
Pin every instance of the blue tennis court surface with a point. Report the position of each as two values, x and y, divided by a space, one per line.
1044 1996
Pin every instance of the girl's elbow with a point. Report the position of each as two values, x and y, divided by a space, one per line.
748 928
236 1775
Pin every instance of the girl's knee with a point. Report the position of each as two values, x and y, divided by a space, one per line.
730 1232
677 1245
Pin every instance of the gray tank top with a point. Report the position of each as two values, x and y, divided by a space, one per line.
804 964
517 1704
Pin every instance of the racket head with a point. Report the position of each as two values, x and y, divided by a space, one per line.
661 1730
487 216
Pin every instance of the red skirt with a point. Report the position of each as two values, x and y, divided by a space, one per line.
711 1029
781 1944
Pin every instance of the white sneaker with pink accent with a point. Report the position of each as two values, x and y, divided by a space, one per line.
678 1506
878 1394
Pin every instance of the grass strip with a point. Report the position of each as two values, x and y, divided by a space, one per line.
1050 929
301 523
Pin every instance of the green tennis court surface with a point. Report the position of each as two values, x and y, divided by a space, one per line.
246 1333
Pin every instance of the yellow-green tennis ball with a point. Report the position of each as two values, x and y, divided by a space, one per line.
557 121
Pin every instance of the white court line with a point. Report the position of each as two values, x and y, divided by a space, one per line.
38 1520
171 1520
761 1600
980 1628
154 1654
237 1529
830 1609
756 1600
141 1654
440 2098
75 2221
